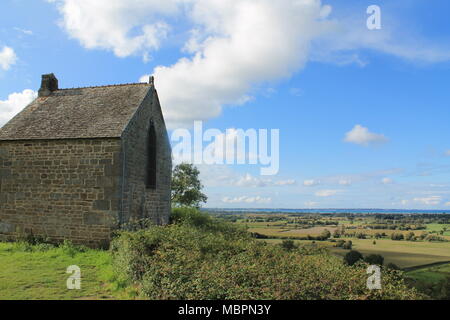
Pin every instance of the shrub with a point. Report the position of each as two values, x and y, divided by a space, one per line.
339 243
288 245
348 245
374 259
352 257
410 236
397 236
432 237
392 266
202 258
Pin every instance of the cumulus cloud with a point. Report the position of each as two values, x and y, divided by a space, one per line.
232 46
248 199
327 193
14 104
7 58
362 136
229 46
237 44
431 200
387 181
124 27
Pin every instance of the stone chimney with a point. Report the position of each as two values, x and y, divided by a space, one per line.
48 85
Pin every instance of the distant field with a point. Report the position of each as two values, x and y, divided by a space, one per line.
432 274
403 253
438 227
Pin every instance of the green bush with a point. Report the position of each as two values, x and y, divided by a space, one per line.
352 257
397 236
374 259
198 257
288 245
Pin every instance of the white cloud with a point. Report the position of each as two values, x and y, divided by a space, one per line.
387 181
237 44
327 193
362 136
311 204
404 202
224 176
289 182
7 58
233 45
447 204
24 31
230 47
447 153
432 200
125 27
343 43
248 199
311 183
250 181
345 182
14 104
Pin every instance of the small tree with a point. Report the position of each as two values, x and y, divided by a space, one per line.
325 234
352 257
410 236
397 236
374 259
288 245
186 186
348 245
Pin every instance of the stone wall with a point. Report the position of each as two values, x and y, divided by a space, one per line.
60 189
80 189
139 201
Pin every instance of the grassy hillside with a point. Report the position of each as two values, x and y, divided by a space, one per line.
30 272
195 257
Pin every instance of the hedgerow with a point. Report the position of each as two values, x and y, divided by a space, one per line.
198 257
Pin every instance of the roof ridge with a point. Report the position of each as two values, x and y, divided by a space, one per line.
108 85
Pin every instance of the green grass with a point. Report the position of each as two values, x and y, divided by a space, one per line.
39 272
432 274
438 227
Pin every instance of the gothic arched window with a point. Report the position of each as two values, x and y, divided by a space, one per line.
151 158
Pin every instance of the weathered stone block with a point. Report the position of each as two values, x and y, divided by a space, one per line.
101 205
7 227
92 218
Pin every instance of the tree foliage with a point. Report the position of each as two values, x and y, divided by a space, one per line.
374 259
186 186
352 257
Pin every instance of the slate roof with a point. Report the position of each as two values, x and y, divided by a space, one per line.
92 112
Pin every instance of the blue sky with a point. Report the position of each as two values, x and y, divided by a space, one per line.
311 69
